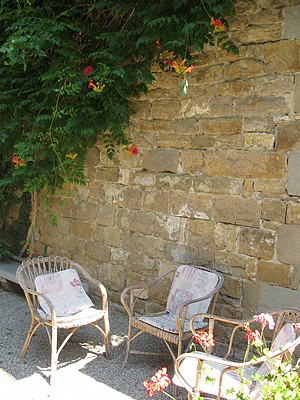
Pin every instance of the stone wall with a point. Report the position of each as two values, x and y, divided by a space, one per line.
216 181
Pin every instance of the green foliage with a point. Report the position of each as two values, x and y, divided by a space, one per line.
49 114
4 249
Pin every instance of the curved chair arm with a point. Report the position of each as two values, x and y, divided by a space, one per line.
229 365
130 291
236 325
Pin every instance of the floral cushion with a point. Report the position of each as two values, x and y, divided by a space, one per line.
191 283
64 290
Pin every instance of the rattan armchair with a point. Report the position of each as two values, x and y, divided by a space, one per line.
192 369
193 289
41 277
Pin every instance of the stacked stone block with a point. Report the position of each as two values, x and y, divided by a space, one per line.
216 181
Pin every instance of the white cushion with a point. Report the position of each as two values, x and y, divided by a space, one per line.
190 283
64 290
167 322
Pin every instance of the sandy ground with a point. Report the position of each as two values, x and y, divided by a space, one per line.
83 373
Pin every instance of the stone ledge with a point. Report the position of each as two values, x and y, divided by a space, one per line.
8 270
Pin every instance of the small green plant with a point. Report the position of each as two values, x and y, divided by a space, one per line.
4 249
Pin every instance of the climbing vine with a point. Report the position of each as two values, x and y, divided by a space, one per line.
68 70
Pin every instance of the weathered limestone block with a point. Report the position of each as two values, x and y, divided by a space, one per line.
259 141
170 140
163 160
192 205
295 278
96 192
261 297
191 161
261 106
242 69
81 229
274 273
288 135
226 237
133 198
172 181
271 85
297 94
156 201
217 185
92 157
142 109
107 174
243 164
181 254
287 246
293 213
260 34
97 251
291 22
165 109
152 246
63 226
120 258
149 126
259 124
293 185
220 126
237 88
232 287
282 56
270 186
274 210
257 243
200 233
227 142
112 237
143 178
221 106
130 241
184 126
116 278
238 211
140 221
234 264
169 227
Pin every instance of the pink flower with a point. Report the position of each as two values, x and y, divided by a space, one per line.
296 325
159 382
253 337
204 339
264 320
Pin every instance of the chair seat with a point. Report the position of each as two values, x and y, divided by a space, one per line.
231 379
83 317
163 326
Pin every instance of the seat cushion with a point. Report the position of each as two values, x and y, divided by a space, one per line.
191 283
64 290
167 323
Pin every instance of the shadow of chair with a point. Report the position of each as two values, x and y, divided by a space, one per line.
224 373
53 287
194 289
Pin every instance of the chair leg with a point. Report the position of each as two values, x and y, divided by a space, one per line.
32 329
127 345
53 355
107 341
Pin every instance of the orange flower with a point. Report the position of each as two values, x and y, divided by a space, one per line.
18 162
253 337
96 87
218 24
182 69
72 156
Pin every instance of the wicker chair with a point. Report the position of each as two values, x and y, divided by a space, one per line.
55 295
192 369
193 289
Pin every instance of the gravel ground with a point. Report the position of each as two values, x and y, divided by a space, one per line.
83 372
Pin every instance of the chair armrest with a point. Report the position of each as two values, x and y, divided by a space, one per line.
130 292
36 294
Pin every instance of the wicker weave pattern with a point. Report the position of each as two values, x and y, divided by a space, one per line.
26 274
177 331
